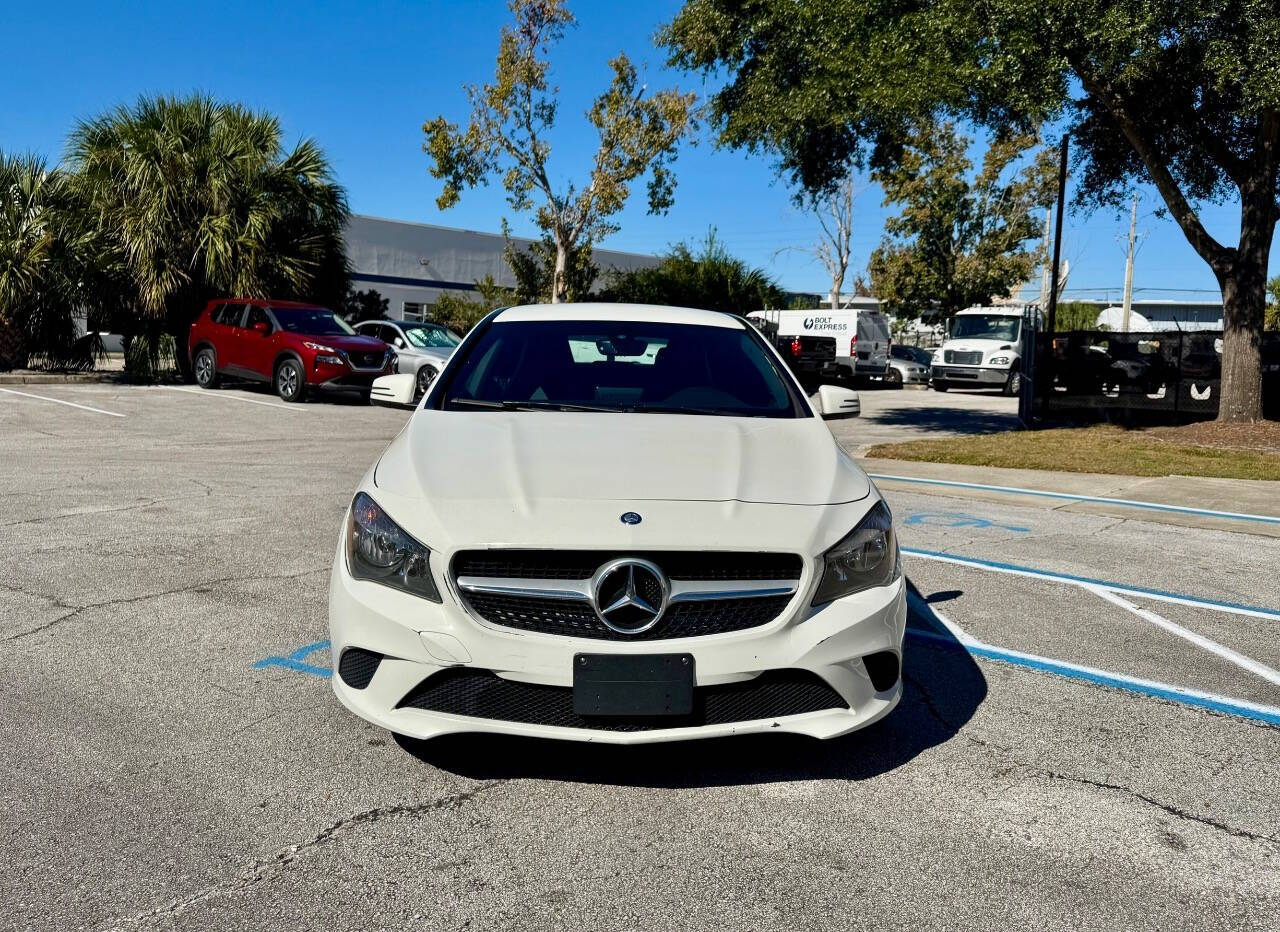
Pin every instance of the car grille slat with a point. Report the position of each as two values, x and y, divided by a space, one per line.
962 357
575 618
483 694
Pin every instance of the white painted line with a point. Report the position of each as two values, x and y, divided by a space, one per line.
1226 653
204 393
1076 671
1069 496
1159 595
59 401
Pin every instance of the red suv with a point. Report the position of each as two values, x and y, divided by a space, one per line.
291 345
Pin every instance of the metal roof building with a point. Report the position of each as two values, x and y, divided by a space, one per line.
412 264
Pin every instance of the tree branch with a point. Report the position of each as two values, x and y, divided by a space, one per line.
1208 248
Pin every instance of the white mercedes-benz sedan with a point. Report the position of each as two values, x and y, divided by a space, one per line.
617 523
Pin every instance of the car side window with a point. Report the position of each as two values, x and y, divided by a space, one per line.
228 315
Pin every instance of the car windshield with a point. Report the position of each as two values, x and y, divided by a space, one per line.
431 336
314 321
985 327
633 366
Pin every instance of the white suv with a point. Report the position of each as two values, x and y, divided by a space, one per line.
617 523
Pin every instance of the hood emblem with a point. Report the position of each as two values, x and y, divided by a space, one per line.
629 595
630 517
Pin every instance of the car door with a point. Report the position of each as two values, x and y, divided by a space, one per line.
225 333
258 349
405 355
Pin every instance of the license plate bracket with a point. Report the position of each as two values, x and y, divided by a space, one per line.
639 685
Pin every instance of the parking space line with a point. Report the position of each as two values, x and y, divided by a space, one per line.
59 401
1226 653
1068 496
959 639
1160 595
204 393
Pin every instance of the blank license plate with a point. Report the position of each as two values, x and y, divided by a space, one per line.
633 684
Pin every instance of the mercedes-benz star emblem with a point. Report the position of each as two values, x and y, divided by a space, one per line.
629 595
630 517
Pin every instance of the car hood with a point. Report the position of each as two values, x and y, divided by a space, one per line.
429 352
522 459
342 341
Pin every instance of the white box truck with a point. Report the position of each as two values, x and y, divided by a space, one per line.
983 349
862 336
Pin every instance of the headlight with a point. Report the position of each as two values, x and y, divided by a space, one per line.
318 346
379 550
999 360
867 557
331 360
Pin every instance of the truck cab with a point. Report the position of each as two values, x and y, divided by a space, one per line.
982 350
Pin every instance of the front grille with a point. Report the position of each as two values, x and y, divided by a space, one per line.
366 360
481 694
573 618
963 358
580 564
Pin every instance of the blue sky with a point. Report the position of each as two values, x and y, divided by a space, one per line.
362 77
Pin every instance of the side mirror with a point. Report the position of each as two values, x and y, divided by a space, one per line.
836 401
393 390
262 327
398 343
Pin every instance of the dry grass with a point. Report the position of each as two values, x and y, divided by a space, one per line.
1196 450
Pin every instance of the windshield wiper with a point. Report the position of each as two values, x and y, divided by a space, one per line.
644 408
510 405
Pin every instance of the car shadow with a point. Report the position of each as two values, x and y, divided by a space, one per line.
943 687
951 420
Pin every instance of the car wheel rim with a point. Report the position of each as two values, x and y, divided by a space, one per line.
426 375
288 380
202 368
1015 383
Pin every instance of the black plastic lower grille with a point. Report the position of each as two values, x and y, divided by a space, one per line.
481 694
577 619
357 666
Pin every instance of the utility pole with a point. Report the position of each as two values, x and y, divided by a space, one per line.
1044 274
1057 236
1128 267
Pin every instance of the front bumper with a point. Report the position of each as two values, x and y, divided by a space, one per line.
979 375
419 638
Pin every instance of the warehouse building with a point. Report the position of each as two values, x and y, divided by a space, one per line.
412 264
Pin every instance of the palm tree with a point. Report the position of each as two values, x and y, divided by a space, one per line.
196 198
40 252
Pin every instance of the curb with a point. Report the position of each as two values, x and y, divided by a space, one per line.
57 378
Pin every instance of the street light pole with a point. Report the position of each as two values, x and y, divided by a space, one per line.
1128 268
1057 236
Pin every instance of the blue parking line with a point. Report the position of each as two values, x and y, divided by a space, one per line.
295 662
1068 496
1091 581
1103 678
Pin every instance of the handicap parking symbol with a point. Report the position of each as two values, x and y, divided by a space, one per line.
959 519
297 662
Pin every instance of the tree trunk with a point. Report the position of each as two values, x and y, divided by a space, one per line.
1244 296
559 278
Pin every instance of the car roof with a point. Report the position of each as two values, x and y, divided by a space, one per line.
602 311
270 302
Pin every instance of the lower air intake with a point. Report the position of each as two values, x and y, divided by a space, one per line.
481 694
358 666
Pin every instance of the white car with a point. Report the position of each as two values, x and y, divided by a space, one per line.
421 348
618 524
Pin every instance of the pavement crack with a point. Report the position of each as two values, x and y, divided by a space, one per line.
130 600
269 867
90 512
1165 807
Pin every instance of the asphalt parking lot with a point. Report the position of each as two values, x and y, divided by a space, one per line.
175 758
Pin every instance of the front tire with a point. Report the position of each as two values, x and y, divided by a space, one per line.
940 386
1013 385
426 375
893 378
290 381
205 368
